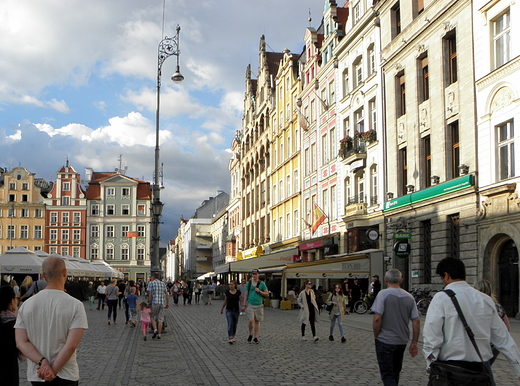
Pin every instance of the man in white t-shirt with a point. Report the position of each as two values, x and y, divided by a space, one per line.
49 328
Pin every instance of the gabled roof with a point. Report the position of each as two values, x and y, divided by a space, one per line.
273 61
144 191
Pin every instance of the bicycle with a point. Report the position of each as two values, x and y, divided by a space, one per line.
362 306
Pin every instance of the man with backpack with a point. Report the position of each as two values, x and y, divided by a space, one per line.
254 293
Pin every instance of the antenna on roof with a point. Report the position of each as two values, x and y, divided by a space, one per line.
310 18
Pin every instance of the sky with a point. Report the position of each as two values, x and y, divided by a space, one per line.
78 82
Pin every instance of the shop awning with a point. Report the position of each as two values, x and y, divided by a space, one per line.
275 259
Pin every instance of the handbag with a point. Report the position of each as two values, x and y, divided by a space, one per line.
330 306
447 374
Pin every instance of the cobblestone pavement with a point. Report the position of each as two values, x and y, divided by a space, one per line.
194 351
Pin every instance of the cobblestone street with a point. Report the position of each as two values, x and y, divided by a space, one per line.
194 351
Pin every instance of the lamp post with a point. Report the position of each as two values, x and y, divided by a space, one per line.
167 47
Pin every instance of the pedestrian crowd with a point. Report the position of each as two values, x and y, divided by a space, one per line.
465 328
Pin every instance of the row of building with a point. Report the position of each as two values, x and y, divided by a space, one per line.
392 129
108 220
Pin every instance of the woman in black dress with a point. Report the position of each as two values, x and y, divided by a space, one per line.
8 352
232 306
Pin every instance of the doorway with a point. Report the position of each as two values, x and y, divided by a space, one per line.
508 277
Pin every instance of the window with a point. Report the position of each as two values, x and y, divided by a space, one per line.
111 192
124 253
506 150
38 213
140 253
11 212
53 250
371 63
288 225
288 185
124 230
94 231
324 149
65 201
65 251
12 198
12 185
424 82
454 156
65 217
110 231
25 198
94 210
25 186
359 121
280 191
75 252
94 253
77 217
372 115
332 211
396 20
450 43
307 162
332 93
426 227
401 95
24 212
403 166
502 39
37 248
296 223
110 210
125 192
38 232
66 186
24 231
10 232
109 254
54 217
358 72
64 234
454 235
373 178
419 4
333 142
427 161
54 235
140 230
357 11
125 210
76 234
141 210
346 88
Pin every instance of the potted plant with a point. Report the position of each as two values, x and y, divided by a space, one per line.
275 288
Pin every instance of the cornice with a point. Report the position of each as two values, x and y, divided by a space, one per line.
509 68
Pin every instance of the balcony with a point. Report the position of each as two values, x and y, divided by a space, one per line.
356 205
353 151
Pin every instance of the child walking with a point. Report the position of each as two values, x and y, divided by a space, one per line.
131 300
145 317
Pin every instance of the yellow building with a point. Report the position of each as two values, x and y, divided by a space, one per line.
22 211
285 161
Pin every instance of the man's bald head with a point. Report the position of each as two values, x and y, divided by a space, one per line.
53 268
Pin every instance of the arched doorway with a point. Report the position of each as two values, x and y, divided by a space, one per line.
508 277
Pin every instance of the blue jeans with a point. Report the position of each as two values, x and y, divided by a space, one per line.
390 359
232 322
340 325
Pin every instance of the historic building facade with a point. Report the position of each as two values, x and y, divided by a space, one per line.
285 156
430 136
497 64
66 215
118 222
22 210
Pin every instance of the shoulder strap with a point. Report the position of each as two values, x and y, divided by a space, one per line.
470 333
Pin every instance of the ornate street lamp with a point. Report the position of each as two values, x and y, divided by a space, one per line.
167 47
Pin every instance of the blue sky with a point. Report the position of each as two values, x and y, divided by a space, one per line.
78 80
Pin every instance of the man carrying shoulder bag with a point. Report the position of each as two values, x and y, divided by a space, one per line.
456 352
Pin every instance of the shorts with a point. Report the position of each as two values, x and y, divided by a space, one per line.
255 312
158 313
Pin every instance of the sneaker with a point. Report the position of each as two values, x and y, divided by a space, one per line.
255 341
231 341
154 334
331 338
250 339
304 338
158 337
144 337
109 322
343 340
315 339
